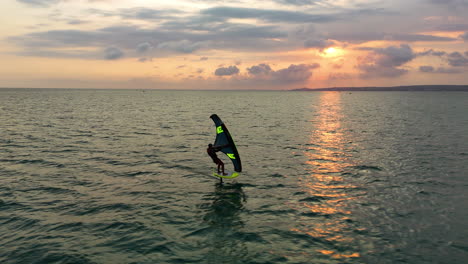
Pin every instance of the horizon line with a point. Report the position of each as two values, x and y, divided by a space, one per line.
337 88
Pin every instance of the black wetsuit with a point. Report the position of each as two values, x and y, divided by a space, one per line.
212 153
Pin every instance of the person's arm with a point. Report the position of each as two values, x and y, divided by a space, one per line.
218 148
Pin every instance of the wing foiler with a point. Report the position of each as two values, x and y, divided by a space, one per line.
223 138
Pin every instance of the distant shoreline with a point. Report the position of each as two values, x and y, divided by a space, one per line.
409 88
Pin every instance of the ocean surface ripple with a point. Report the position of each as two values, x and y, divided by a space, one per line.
122 176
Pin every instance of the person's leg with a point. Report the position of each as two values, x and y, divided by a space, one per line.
222 167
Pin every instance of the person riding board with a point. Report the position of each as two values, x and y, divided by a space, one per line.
211 150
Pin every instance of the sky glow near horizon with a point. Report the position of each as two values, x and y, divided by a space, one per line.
207 44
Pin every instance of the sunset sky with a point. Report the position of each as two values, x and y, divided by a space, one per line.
208 44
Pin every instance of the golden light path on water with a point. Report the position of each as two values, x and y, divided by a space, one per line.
324 183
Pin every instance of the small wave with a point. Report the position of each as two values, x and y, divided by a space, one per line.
424 193
19 223
313 214
143 133
164 248
60 151
296 235
120 226
300 193
117 163
138 173
312 199
250 237
93 210
68 227
134 241
6 205
460 246
42 253
274 212
51 189
201 232
40 162
16 146
279 185
276 175
81 142
177 166
367 168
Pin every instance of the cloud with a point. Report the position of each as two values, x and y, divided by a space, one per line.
69 53
339 76
452 27
384 62
311 37
448 70
395 56
456 59
416 37
113 53
360 37
144 47
439 53
432 53
327 14
304 31
218 28
292 74
295 73
318 43
228 36
183 46
176 31
338 65
226 71
262 74
268 15
143 13
297 2
39 3
236 31
371 71
261 69
426 69
76 22
451 3
62 38
430 69
464 36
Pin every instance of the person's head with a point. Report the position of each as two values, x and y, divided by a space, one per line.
210 145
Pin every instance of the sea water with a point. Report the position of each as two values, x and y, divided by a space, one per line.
122 176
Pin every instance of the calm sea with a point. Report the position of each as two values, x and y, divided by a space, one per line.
122 176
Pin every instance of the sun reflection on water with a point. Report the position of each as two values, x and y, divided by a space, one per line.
327 210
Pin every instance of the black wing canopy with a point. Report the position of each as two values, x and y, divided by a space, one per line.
223 138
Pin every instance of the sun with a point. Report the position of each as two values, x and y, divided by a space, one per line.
332 52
